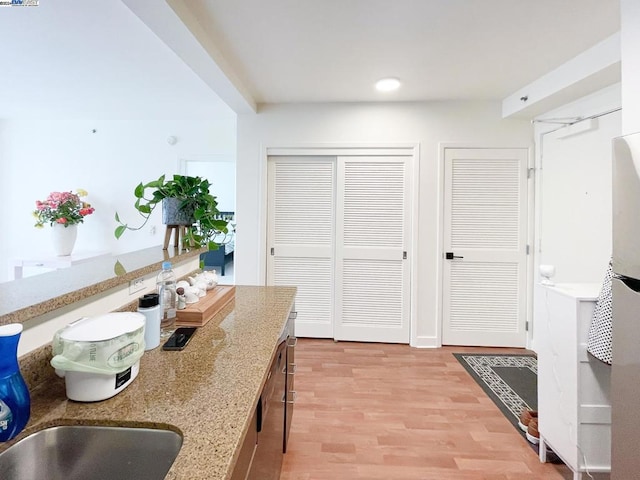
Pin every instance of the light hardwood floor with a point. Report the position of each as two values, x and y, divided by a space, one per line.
381 411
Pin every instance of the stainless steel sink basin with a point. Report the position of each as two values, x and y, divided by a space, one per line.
91 452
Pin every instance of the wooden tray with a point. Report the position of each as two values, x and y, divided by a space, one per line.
198 314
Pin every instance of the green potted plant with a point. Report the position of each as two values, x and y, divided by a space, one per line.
189 199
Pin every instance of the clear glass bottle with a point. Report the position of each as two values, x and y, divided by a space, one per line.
15 402
166 285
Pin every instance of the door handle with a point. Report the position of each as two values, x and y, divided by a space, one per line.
451 256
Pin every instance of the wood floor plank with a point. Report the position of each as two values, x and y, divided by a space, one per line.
377 411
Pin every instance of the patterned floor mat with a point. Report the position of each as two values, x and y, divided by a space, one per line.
511 381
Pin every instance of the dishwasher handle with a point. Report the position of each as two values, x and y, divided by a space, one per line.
294 396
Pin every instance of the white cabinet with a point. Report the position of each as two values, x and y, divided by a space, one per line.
573 387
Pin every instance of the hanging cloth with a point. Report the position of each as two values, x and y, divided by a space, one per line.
599 340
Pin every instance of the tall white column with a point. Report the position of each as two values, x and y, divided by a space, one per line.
630 46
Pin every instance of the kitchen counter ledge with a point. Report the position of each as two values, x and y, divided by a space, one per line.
207 392
24 299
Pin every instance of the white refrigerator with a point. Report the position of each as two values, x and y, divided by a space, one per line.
625 375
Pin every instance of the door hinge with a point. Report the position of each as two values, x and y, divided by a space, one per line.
404 255
528 249
526 326
530 172
273 251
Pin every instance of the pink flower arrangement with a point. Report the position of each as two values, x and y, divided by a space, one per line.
65 208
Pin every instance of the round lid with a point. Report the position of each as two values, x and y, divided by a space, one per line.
149 300
103 327
10 330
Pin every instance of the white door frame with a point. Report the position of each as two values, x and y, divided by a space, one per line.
346 149
530 229
183 160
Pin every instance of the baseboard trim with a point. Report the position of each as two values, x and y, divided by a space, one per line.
425 342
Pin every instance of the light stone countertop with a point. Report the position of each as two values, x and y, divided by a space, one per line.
207 392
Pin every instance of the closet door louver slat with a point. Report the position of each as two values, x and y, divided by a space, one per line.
338 230
371 275
484 286
313 277
301 217
485 210
484 297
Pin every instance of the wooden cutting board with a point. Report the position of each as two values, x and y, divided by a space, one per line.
199 313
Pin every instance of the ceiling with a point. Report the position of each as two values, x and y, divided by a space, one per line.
148 58
334 50
95 59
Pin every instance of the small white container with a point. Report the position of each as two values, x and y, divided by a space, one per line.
99 356
149 306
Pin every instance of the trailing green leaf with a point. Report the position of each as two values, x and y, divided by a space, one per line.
120 230
119 269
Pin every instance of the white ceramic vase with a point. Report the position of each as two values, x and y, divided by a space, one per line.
63 238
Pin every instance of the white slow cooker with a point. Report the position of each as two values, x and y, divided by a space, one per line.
99 356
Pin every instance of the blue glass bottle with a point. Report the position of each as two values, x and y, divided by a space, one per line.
15 403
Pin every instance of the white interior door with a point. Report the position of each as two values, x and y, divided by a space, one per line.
485 233
301 209
373 232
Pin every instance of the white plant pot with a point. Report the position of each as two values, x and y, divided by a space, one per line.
63 238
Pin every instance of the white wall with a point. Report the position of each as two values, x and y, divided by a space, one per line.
95 59
3 175
40 156
574 167
573 193
427 124
220 170
85 66
630 45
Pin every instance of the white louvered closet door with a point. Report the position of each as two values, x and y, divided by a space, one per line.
485 230
301 209
373 229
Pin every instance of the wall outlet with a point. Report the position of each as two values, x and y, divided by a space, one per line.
136 285
152 230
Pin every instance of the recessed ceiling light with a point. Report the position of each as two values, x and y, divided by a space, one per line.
387 84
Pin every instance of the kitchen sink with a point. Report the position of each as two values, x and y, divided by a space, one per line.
91 452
